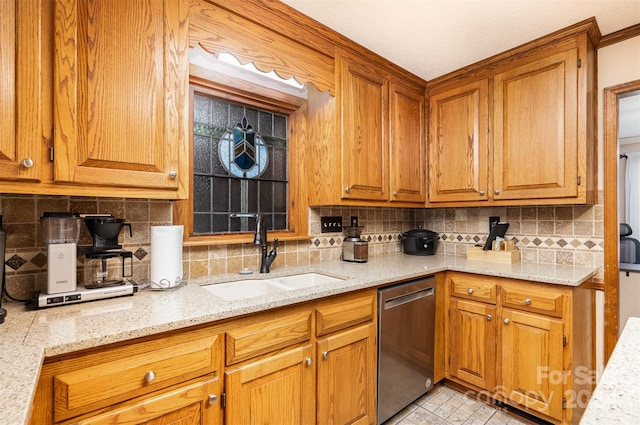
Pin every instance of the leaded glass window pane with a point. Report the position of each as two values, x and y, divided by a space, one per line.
240 166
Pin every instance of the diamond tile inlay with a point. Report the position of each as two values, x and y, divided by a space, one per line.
140 254
562 243
589 244
39 260
537 242
15 262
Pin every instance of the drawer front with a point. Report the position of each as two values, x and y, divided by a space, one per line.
539 301
472 287
263 337
335 317
110 382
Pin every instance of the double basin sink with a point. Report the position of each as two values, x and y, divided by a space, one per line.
249 288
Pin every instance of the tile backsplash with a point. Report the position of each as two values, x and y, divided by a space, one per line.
570 235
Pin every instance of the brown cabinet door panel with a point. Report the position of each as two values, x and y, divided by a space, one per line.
458 151
535 129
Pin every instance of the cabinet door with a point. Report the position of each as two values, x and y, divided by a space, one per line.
363 116
193 404
279 389
347 377
458 153
531 361
20 90
407 144
535 128
471 343
121 85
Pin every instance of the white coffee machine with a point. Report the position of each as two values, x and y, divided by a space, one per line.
61 232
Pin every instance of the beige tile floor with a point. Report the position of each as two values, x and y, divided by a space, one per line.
444 406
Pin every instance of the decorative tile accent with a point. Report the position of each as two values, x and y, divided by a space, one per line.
39 260
140 254
15 262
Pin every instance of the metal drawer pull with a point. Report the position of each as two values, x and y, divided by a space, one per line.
308 361
212 399
325 355
527 301
470 291
149 376
489 317
506 321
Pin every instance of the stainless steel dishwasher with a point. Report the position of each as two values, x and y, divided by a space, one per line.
406 315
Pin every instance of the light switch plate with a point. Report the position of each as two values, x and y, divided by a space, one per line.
330 224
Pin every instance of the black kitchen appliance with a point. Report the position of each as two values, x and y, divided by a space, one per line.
419 241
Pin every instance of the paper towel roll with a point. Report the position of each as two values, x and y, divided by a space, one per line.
166 256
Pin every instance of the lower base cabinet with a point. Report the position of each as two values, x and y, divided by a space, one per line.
526 344
304 364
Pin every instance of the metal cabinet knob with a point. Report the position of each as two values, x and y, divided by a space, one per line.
212 399
489 317
482 193
308 361
497 192
347 189
506 321
470 291
325 355
395 193
173 174
149 376
527 301
27 163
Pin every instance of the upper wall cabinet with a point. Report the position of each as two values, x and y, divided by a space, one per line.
20 90
375 155
540 145
120 92
94 98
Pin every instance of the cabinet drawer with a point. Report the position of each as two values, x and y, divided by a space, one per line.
105 382
266 336
537 301
331 318
472 287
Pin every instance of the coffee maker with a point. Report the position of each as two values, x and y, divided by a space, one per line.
104 265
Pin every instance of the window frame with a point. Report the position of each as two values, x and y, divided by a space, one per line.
297 203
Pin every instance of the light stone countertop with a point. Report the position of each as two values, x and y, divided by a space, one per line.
27 337
616 399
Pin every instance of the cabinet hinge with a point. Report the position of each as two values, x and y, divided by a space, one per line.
564 340
51 154
564 403
579 180
579 63
223 400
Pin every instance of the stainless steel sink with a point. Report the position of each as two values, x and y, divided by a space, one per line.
249 288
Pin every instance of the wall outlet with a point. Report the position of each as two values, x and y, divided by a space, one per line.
493 220
330 224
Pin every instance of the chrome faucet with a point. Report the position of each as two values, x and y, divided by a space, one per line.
260 238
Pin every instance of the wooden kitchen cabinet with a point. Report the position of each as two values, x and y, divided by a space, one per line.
98 96
523 343
458 150
539 147
21 79
169 376
276 381
472 339
375 155
276 389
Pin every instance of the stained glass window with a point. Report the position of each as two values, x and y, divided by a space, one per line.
240 164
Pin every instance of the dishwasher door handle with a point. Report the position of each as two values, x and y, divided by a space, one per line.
407 298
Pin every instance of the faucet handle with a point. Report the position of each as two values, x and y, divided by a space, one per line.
275 243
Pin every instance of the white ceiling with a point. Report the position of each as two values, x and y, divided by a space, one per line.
433 37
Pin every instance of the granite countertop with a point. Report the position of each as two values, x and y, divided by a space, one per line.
27 337
616 399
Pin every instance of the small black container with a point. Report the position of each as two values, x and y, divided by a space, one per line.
419 241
